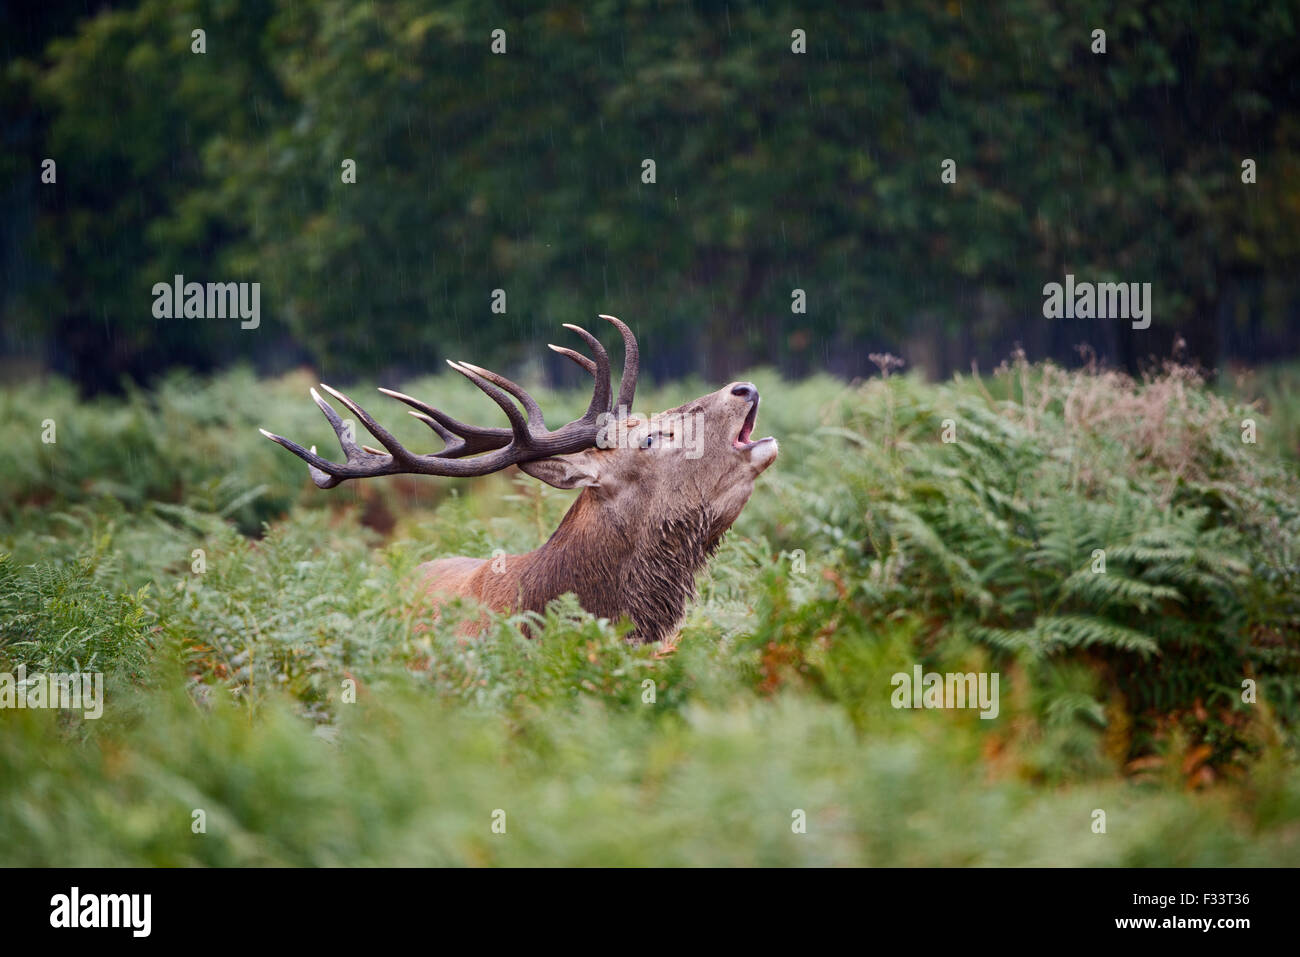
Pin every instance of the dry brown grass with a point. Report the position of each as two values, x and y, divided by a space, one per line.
1164 421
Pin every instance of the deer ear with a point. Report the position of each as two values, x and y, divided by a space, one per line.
564 471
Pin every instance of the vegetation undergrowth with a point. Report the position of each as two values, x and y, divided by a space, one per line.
1112 548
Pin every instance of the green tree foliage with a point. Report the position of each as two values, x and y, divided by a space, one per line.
774 170
131 112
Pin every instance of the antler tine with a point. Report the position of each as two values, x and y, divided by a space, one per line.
345 438
386 439
535 420
600 398
631 365
315 464
577 357
517 423
461 439
360 460
451 443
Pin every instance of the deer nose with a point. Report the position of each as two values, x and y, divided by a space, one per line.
746 390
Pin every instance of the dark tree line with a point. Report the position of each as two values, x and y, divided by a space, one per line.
525 171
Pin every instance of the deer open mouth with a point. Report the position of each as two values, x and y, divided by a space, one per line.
741 441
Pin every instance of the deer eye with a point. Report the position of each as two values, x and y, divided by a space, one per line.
648 441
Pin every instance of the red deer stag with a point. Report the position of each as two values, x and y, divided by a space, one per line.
658 492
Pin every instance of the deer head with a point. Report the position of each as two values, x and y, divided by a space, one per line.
696 458
658 491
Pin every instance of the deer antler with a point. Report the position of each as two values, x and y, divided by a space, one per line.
526 439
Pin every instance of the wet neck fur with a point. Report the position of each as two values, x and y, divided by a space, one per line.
644 570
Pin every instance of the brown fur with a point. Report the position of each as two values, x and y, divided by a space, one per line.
646 523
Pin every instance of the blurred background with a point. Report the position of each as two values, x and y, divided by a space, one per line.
523 171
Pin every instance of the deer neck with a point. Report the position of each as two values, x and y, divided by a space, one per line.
623 564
